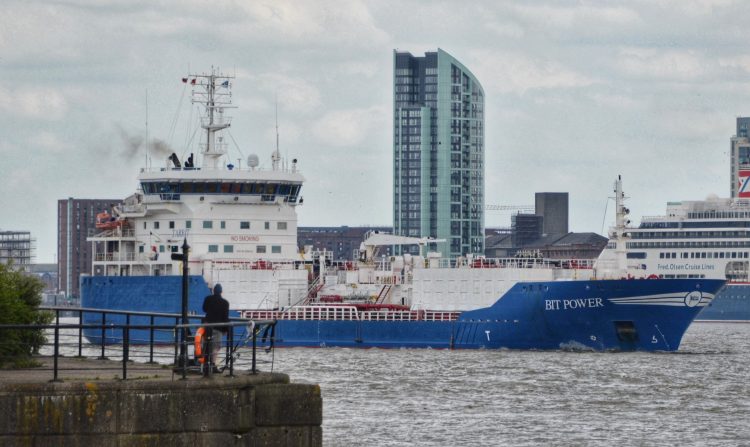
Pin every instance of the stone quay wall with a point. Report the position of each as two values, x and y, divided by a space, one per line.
246 410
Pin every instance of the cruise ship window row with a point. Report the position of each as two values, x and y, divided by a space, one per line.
692 255
707 224
703 255
688 244
690 234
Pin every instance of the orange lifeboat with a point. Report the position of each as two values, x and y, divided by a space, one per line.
105 221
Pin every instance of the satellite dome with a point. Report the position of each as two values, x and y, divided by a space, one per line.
252 161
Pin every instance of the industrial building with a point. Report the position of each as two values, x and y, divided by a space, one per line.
17 248
76 220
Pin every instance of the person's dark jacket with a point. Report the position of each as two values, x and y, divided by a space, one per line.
216 309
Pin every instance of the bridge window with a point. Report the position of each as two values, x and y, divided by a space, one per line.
208 224
275 249
213 248
244 225
229 249
260 249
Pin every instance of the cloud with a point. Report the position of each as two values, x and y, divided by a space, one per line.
616 101
352 127
741 62
295 94
568 16
653 63
50 142
314 23
42 103
509 30
696 8
510 72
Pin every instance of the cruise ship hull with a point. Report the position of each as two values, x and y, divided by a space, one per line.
648 315
732 304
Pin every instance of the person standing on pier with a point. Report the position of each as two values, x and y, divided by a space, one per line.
217 311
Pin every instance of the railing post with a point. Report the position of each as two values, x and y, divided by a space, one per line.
151 341
183 352
176 340
104 325
80 333
254 346
57 347
208 365
229 350
125 348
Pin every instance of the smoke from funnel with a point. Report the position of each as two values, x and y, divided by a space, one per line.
131 143
160 149
133 146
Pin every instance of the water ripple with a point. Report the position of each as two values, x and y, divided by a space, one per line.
697 396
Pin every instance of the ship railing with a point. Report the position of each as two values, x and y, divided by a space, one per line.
349 313
409 315
118 232
117 257
119 335
216 171
259 264
516 263
305 313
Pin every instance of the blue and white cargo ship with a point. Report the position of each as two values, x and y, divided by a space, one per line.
241 225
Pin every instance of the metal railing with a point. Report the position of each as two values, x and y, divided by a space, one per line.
117 332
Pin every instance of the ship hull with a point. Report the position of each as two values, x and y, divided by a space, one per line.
648 315
732 303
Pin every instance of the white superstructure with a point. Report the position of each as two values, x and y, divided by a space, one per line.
694 239
239 221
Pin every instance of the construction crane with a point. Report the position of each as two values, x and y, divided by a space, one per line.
521 208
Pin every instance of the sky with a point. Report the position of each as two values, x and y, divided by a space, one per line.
577 93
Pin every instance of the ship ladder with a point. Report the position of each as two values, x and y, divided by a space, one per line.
384 293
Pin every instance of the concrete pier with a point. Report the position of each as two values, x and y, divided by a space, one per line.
156 409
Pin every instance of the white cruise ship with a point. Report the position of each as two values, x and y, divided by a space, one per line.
698 239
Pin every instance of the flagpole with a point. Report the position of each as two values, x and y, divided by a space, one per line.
147 148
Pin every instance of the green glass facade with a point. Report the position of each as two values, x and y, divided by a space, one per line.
438 152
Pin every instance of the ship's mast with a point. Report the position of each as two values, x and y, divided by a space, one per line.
276 156
213 92
621 212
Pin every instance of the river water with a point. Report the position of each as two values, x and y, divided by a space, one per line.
699 395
